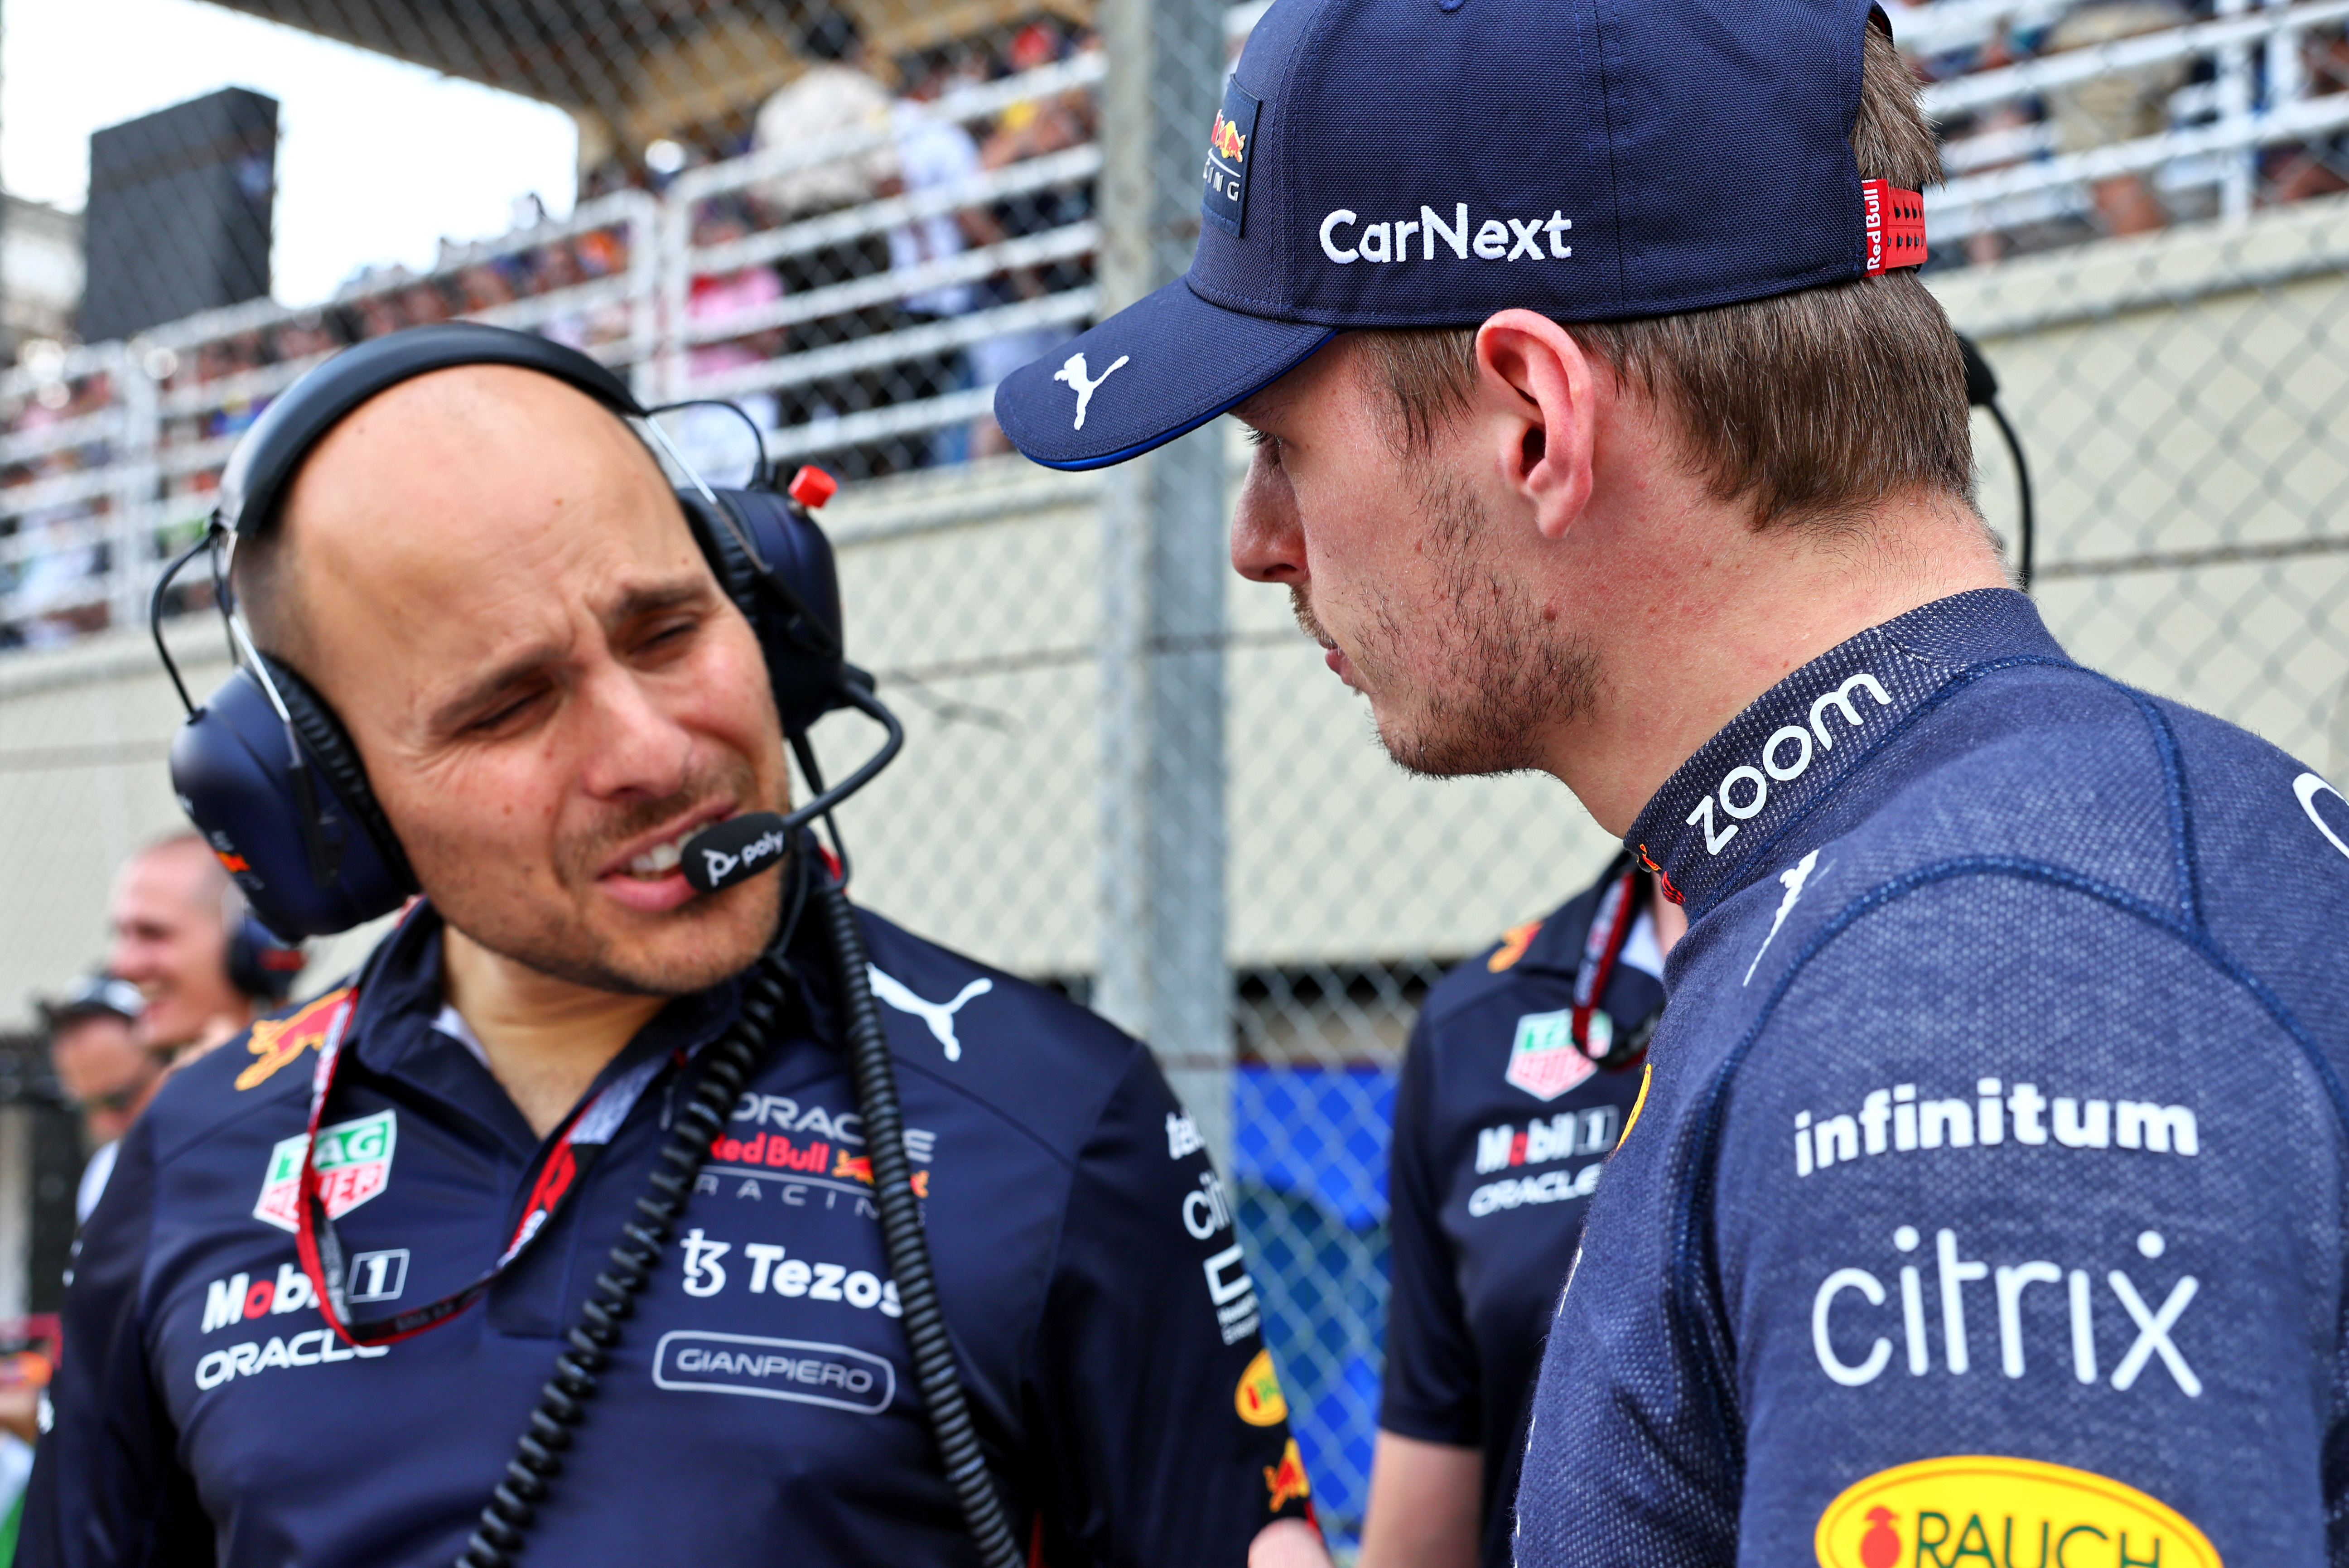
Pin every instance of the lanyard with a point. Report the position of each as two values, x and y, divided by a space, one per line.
574 1147
1611 926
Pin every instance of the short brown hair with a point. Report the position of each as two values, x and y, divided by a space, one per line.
1810 405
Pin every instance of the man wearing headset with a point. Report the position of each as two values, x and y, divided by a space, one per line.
1984 1202
182 937
484 574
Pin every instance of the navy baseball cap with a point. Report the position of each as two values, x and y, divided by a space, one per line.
1429 162
91 996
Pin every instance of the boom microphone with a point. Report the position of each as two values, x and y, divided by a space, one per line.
725 853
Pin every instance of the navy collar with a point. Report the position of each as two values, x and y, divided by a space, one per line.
1718 822
1556 948
401 995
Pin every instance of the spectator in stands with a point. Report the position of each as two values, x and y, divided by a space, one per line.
171 910
486 285
1031 127
834 94
378 315
2316 168
714 441
54 594
422 303
305 336
935 153
2117 106
103 1069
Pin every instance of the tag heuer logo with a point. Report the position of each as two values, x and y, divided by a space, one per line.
354 1161
1545 1062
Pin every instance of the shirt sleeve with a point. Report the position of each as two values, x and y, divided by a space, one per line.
1430 1391
107 1488
2019 1263
1164 1431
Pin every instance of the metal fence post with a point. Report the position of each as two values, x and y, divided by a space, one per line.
1161 861
135 494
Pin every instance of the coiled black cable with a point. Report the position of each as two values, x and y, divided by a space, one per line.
767 995
725 1068
902 1236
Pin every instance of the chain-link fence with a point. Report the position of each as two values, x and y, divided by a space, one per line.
1127 774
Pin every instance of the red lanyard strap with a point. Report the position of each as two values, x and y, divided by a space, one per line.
1611 927
575 1146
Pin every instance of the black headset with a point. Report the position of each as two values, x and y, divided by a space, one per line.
270 777
259 965
265 770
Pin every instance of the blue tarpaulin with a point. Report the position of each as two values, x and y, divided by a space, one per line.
1311 1173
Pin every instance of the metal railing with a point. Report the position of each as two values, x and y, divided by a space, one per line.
2260 96
113 450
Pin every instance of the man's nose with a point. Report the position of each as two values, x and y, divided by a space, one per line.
1268 540
634 746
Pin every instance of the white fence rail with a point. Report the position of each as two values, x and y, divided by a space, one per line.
112 452
2261 95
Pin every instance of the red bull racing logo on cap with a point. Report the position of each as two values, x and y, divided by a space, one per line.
1224 201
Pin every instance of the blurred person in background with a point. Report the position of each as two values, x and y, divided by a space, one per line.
2117 106
105 1071
836 93
1031 127
177 920
935 153
716 441
1520 1076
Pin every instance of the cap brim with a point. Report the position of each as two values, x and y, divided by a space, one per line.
1159 369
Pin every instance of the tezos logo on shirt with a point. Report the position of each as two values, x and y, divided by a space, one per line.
1545 1062
354 1161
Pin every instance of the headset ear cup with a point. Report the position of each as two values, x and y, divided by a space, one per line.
259 965
736 572
793 605
329 746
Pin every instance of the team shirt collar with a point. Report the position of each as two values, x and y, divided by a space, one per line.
1722 818
399 1030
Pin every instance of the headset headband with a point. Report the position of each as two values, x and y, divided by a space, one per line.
265 461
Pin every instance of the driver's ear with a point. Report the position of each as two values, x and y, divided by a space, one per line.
1536 385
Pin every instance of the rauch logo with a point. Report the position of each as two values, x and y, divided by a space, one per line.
1990 1508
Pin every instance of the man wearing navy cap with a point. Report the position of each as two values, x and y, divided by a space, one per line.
1984 1202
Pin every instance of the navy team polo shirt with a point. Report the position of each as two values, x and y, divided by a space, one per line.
1502 1127
1986 1203
761 1401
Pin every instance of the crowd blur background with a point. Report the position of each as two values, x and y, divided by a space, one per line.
1128 775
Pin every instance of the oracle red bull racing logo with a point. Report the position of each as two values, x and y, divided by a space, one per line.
354 1163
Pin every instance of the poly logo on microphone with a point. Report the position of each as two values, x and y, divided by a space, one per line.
718 867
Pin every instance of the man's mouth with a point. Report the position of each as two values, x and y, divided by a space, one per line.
653 870
662 858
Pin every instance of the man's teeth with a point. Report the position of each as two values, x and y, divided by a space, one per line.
660 860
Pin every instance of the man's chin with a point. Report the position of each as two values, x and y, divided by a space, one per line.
632 952
1432 751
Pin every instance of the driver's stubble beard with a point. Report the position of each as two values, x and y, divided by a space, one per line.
1497 674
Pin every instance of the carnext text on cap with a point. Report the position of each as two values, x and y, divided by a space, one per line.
1496 239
